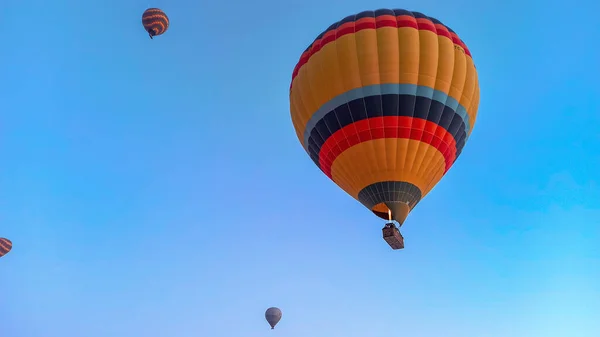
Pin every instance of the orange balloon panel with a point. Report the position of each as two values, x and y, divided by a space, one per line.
384 102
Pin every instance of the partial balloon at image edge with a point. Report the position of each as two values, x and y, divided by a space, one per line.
5 246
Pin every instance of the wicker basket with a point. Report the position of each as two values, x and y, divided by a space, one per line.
392 236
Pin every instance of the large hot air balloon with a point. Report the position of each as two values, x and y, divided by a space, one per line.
273 316
155 22
5 246
383 102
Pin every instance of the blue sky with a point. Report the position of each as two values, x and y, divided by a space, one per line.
121 156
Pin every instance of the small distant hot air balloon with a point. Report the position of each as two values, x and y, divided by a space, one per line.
155 21
273 315
5 246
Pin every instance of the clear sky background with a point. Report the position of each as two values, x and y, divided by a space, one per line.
157 188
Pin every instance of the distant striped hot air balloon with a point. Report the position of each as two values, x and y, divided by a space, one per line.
155 21
5 246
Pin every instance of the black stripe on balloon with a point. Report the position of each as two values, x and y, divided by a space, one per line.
386 105
389 191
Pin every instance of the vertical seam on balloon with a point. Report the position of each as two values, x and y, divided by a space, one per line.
294 119
312 90
411 145
361 89
355 179
300 111
433 181
475 102
346 180
293 115
373 165
367 162
418 169
421 169
350 180
393 153
429 169
398 107
419 144
308 69
400 48
433 169
462 92
472 72
371 129
304 91
385 143
474 106
302 100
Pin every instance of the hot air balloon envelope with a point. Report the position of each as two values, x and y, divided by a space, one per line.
155 21
273 316
383 102
5 246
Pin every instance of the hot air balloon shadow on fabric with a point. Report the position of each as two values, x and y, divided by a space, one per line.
383 102
273 316
155 22
5 246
